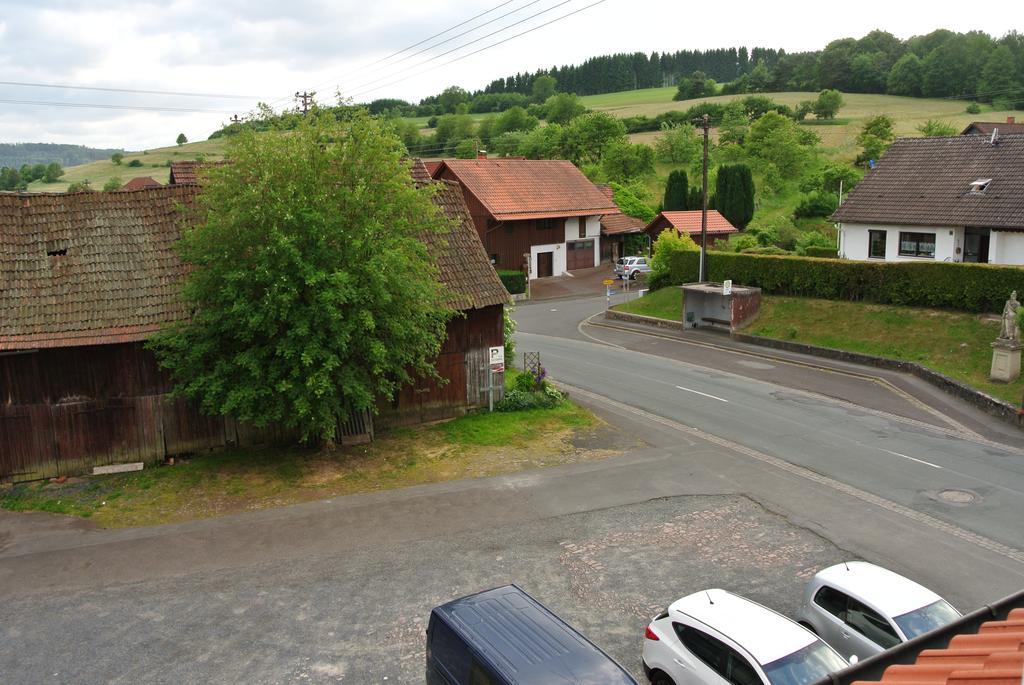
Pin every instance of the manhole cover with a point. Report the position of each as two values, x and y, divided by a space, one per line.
957 496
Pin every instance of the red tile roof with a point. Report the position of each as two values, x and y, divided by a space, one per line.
112 273
516 189
992 656
616 224
689 222
140 182
985 128
184 173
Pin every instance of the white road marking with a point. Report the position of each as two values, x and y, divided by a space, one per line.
919 461
698 392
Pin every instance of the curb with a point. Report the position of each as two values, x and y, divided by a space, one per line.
986 403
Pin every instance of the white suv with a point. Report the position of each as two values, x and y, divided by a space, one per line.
630 267
717 638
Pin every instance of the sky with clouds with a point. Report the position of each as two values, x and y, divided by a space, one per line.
265 51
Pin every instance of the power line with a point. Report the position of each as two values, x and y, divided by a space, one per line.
459 35
487 47
216 96
93 105
362 88
415 45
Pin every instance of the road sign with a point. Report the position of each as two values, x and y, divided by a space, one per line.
727 287
497 355
608 281
498 368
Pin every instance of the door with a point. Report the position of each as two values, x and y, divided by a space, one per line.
976 248
545 264
851 627
579 255
699 658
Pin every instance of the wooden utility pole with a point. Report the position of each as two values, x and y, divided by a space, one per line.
306 98
704 209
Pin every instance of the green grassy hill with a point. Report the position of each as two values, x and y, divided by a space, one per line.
837 136
155 163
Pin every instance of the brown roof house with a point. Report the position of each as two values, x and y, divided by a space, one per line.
987 128
689 222
141 182
954 199
544 213
86 278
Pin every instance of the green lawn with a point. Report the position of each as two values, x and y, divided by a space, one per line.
238 480
666 303
956 344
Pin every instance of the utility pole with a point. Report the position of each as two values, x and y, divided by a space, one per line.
704 209
307 100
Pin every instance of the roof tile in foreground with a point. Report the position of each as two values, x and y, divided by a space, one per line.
994 655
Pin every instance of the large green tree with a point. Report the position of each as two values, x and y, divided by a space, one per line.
625 162
677 190
734 194
905 76
588 136
312 292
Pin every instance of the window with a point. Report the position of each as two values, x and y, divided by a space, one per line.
833 601
876 244
804 666
583 226
448 651
980 186
917 245
927 618
871 625
545 224
479 676
712 652
740 670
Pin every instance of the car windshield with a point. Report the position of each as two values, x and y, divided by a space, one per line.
927 618
807 665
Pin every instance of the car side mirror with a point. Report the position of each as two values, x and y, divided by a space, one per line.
854 659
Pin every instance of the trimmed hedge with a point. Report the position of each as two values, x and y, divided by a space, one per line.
514 281
947 285
823 252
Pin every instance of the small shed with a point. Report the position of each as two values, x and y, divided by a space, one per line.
719 305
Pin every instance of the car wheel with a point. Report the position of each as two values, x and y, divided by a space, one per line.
632 276
659 678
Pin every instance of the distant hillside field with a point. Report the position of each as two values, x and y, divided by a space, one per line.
15 154
155 163
837 136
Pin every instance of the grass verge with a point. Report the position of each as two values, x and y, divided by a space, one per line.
956 344
239 480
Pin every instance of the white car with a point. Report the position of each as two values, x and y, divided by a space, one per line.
714 637
863 609
631 267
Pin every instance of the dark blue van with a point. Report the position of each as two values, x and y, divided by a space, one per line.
506 637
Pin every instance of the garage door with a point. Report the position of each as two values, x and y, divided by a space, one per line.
579 254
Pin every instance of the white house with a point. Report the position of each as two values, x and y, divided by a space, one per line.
956 199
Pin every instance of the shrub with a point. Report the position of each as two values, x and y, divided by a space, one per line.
813 239
822 252
524 382
666 248
765 249
135 163
514 281
949 285
816 204
973 108
521 400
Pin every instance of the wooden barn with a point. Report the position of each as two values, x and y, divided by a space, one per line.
86 278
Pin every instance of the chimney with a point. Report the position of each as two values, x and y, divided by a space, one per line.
1011 120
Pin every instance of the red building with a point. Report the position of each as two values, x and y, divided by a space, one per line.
689 222
542 213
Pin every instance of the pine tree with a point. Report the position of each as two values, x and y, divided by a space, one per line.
734 194
676 192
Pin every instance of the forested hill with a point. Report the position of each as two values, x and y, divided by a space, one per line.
14 155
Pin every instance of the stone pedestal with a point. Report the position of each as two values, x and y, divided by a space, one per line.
1005 361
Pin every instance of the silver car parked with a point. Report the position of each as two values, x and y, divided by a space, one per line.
631 267
861 609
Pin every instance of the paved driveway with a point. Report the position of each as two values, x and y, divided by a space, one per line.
581 283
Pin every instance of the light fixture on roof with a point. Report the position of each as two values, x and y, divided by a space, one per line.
980 186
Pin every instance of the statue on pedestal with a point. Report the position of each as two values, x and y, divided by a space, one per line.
1009 330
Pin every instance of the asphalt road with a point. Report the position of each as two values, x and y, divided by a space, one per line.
752 494
954 476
